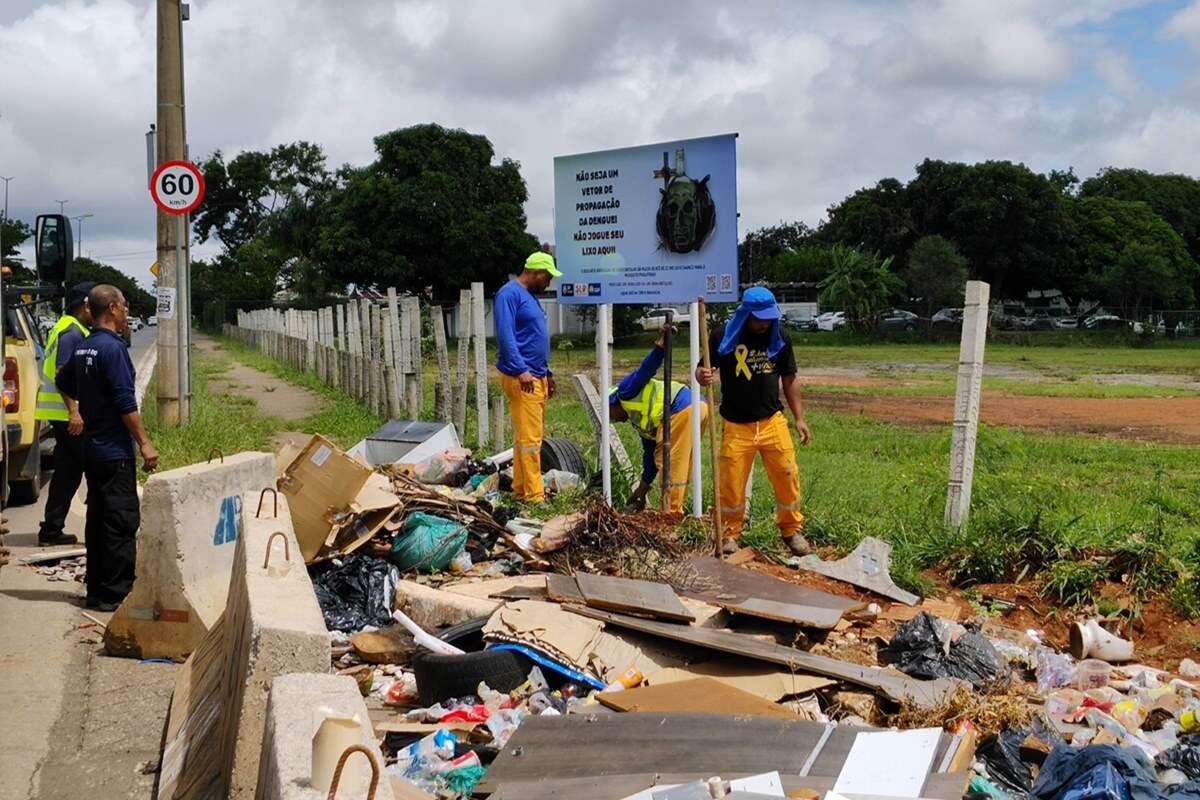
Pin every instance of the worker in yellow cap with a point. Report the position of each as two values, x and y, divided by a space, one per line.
757 370
524 365
640 399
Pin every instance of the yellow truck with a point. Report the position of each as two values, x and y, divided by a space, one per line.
26 439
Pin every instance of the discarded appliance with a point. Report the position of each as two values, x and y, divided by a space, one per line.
405 441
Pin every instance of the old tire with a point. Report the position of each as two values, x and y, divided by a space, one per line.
441 677
562 454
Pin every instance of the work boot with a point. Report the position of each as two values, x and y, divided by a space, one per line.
730 547
61 538
797 544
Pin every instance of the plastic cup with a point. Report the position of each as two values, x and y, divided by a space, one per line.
1093 674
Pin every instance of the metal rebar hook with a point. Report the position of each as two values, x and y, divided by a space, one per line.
220 455
337 771
262 495
287 548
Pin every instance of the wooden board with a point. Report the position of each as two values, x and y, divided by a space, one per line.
715 581
702 695
938 608
894 685
390 645
542 759
629 595
806 616
563 589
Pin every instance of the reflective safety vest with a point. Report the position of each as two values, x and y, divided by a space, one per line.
646 409
50 405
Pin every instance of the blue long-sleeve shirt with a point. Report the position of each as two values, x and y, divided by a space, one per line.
524 341
633 384
101 379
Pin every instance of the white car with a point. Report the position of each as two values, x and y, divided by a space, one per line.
831 320
136 324
653 319
152 322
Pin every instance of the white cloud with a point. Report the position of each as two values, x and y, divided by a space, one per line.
1185 24
826 97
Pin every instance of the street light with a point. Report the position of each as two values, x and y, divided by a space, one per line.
6 180
61 203
80 220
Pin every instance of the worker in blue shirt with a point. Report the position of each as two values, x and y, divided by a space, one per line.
524 365
640 399
102 381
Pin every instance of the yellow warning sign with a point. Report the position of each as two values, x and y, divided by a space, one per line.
154 269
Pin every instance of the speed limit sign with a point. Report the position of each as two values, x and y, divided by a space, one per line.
177 187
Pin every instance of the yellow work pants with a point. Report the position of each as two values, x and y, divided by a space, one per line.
528 415
681 453
740 442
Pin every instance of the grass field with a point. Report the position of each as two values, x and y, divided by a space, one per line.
1071 512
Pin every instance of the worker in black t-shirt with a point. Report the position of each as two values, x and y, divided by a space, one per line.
753 359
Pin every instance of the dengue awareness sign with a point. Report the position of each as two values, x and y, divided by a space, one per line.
177 187
650 224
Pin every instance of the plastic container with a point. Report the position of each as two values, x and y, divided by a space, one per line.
1063 702
1093 674
629 679
1189 721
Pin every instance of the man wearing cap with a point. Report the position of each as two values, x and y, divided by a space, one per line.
640 398
63 415
524 365
753 360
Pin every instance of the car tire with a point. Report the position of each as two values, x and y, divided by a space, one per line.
562 454
26 493
441 677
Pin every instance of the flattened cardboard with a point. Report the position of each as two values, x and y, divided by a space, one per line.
766 681
321 481
700 695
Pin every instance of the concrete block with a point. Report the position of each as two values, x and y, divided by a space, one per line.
435 608
277 628
292 718
190 522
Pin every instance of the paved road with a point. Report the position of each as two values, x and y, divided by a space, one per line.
49 668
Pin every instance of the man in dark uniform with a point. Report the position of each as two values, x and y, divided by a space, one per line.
62 413
102 382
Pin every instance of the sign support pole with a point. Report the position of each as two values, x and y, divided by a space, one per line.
665 499
181 319
712 434
697 405
603 325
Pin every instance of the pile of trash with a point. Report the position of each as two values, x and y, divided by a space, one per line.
591 641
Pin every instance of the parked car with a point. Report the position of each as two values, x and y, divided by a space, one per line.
831 320
899 320
803 324
152 321
1105 322
1039 320
1066 323
136 324
653 319
947 318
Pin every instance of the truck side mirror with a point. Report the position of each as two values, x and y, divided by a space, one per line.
55 248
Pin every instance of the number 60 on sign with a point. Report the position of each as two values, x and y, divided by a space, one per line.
177 187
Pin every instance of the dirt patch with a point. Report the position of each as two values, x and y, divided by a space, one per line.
1166 420
272 396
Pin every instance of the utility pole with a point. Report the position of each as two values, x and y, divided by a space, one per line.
61 204
172 403
80 220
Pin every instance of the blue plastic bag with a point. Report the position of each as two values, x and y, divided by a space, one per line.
1102 783
427 542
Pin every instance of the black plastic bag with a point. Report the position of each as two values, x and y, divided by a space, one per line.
1001 755
1066 765
1184 757
359 591
921 648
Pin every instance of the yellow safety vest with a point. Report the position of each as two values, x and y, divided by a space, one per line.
50 406
646 410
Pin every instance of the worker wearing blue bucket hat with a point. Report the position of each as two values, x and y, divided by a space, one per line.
756 367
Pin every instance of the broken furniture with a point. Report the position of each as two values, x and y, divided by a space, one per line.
868 567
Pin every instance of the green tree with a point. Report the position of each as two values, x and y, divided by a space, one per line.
875 219
14 233
1175 198
141 303
862 285
1006 219
432 209
937 273
807 263
761 247
1129 257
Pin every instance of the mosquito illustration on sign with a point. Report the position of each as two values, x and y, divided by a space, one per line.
228 521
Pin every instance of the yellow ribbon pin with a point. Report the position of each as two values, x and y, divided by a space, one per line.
741 366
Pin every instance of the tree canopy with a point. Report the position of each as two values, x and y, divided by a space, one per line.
937 273
141 303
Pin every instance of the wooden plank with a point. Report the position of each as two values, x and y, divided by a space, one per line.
563 589
894 685
630 595
591 403
56 555
793 613
701 695
939 787
710 579
939 608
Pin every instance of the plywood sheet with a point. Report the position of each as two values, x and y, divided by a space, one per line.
713 580
765 680
632 596
701 695
792 613
562 589
889 763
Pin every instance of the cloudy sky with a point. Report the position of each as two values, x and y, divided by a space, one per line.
826 97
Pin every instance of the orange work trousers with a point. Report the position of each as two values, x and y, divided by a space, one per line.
528 418
740 443
681 453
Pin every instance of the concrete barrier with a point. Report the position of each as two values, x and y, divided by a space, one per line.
291 721
272 625
190 522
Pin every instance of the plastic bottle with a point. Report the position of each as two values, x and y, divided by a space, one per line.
539 702
628 679
537 681
1189 721
461 563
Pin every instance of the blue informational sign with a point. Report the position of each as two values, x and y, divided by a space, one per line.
652 224
229 521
